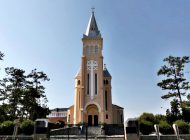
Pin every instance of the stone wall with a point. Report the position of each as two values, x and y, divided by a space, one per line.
92 130
114 129
66 131
165 137
82 137
108 129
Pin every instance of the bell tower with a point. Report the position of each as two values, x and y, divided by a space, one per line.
93 103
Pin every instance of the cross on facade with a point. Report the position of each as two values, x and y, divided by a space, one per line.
92 65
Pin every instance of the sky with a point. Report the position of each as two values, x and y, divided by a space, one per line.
138 35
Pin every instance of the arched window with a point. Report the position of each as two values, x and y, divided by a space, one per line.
88 84
107 82
106 100
106 116
96 84
79 99
78 82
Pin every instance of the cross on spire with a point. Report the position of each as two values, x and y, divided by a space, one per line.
92 28
92 9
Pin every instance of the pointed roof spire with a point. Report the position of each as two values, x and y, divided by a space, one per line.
92 28
106 72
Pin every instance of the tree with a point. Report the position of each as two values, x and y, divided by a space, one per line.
186 111
147 116
175 82
146 122
1 55
23 96
174 114
35 97
14 90
158 118
3 90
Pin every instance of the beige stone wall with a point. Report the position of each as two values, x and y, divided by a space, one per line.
118 116
70 115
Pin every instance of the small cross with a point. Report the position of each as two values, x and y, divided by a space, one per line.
92 9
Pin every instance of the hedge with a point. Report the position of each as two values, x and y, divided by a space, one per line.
27 127
183 126
7 128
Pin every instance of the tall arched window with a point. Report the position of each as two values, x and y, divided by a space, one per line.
78 83
88 84
96 84
79 98
107 82
106 100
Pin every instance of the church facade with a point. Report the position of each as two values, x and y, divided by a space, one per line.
93 90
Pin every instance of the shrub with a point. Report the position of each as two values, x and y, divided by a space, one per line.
158 118
183 126
7 128
27 127
147 116
146 127
165 128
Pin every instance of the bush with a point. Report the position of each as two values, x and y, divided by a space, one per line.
7 128
146 127
165 128
183 126
147 116
158 118
27 127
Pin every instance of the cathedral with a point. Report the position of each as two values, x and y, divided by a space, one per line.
93 89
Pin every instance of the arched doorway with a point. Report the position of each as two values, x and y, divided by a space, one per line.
92 115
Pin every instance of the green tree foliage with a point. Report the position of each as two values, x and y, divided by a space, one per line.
183 126
175 82
158 118
36 93
165 128
27 127
23 96
147 116
14 90
1 55
6 128
174 113
186 114
146 123
146 127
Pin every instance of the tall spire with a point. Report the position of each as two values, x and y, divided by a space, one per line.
92 28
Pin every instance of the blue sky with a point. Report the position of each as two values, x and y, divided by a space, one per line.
138 34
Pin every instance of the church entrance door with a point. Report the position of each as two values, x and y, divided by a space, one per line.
89 120
95 120
92 115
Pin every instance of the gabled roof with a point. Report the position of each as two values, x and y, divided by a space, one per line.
119 107
92 28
